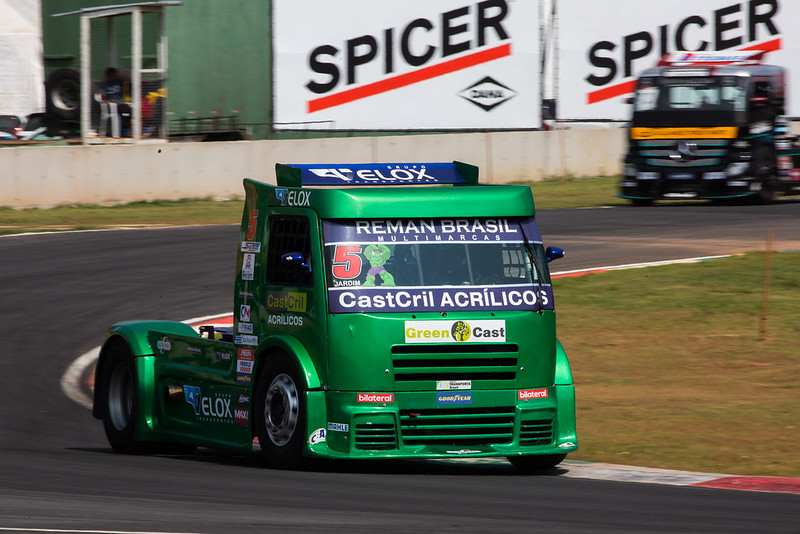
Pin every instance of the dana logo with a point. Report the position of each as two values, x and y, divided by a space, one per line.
375 397
487 93
164 345
525 394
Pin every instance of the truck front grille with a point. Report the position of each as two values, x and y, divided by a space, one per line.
536 432
376 437
664 152
457 427
496 362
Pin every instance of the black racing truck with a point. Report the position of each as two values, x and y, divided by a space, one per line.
710 125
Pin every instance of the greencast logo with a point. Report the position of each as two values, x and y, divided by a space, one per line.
460 331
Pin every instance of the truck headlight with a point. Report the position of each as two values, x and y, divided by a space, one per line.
738 168
630 169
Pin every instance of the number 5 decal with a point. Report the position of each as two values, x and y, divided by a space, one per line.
251 226
347 261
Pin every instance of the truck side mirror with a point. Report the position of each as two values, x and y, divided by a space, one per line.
554 253
295 260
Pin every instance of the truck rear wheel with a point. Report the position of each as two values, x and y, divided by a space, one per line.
765 170
280 412
533 463
120 398
63 93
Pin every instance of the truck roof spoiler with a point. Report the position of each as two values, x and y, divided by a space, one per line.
366 174
685 59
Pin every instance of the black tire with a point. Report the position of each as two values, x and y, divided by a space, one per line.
535 463
280 412
764 168
63 94
119 397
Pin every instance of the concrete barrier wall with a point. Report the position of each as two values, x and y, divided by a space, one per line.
44 176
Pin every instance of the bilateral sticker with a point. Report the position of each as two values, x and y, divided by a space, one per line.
247 266
479 331
526 394
375 397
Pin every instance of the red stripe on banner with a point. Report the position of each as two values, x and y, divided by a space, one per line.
610 92
769 46
409 78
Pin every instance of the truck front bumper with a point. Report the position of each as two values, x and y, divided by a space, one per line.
437 424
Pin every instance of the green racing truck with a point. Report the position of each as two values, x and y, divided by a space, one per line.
380 311
710 125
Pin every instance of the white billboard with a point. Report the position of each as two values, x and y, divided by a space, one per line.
604 44
386 65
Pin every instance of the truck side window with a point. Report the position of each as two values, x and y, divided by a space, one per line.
288 234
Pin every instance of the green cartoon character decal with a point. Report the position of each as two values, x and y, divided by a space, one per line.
378 255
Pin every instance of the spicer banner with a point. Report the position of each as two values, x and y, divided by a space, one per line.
385 65
604 44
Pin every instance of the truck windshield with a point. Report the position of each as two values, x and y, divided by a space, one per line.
719 97
390 265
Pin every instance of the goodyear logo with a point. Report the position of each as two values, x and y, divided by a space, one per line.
721 132
492 330
286 301
464 397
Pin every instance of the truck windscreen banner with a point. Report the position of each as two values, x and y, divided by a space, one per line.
605 44
386 65
415 265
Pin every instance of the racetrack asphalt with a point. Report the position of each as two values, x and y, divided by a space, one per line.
60 292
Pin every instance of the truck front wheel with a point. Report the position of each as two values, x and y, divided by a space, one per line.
280 412
120 398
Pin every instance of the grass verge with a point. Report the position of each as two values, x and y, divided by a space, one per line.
550 194
670 371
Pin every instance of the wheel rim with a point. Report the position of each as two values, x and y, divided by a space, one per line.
120 397
65 96
281 409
